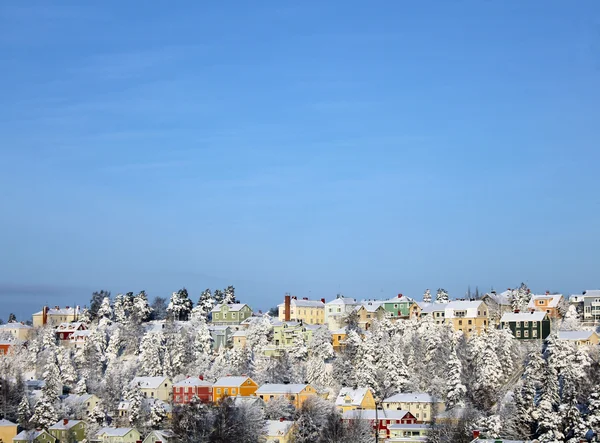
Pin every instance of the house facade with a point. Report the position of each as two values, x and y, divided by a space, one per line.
588 304
350 399
337 309
239 339
80 406
580 338
548 303
68 430
286 333
296 394
55 316
381 419
8 430
498 304
118 435
230 314
18 331
534 325
159 388
162 436
469 317
37 436
279 431
64 331
233 386
310 312
401 307
419 404
221 336
191 387
368 311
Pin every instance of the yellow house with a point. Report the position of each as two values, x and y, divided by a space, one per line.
8 430
279 431
419 404
118 435
308 311
580 338
239 339
159 388
80 406
338 339
230 386
467 316
18 331
368 311
349 399
55 316
294 393
548 303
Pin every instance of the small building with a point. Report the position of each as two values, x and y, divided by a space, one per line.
230 386
548 303
401 307
78 338
221 336
498 304
37 436
580 338
239 339
68 430
310 312
160 436
381 419
286 333
55 316
18 331
279 431
159 388
368 311
337 310
296 394
64 331
80 406
419 404
118 435
349 399
230 314
588 303
416 433
534 325
185 390
8 430
338 339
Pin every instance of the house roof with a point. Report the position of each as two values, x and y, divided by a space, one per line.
411 397
592 292
163 434
428 308
240 334
230 381
470 306
523 316
148 382
342 301
575 335
80 334
123 406
356 396
232 307
73 398
62 426
74 326
304 303
59 311
370 306
115 432
553 303
274 388
369 414
191 381
15 326
274 428
5 422
503 298
219 328
400 426
28 435
400 299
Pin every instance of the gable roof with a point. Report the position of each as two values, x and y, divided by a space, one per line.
502 298
115 432
399 299
162 434
15 325
231 381
274 428
232 307
553 303
60 425
276 388
31 435
575 335
370 305
59 311
412 397
523 316
462 305
191 381
356 396
73 326
342 301
148 382
5 422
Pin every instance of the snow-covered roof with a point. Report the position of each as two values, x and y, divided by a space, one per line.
502 298
230 381
471 308
73 398
523 316
191 381
59 311
276 428
400 426
553 303
240 334
148 382
411 397
275 388
219 328
232 307
370 306
114 432
123 406
15 326
592 292
163 434
575 335
4 422
428 308
81 334
356 396
70 327
62 426
28 435
369 414
342 301
400 299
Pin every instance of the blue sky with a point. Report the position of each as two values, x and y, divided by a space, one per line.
312 147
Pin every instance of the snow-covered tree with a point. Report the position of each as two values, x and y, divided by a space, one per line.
229 295
105 310
205 302
180 306
320 344
427 296
150 354
141 307
135 406
488 375
519 298
218 296
279 407
24 412
456 391
44 414
68 375
80 387
442 296
52 384
158 415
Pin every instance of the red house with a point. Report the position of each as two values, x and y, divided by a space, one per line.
65 330
185 390
382 418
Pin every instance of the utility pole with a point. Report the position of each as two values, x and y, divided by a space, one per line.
376 421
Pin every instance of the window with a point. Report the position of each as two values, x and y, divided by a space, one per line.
518 334
226 391
232 391
534 333
460 322
470 322
216 315
541 302
218 390
518 324
224 315
526 333
233 315
525 323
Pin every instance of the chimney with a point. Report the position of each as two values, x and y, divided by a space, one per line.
517 311
281 420
475 434
287 308
65 421
399 295
323 300
547 292
45 315
201 377
304 298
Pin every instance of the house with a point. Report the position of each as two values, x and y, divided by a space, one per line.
498 304
294 393
381 419
80 406
55 316
588 303
68 430
534 325
368 311
436 311
401 307
8 430
416 433
185 390
580 338
37 436
221 336
349 399
18 331
337 310
78 338
7 347
338 339
154 387
230 314
548 303
467 316
230 386
279 431
64 331
286 333
160 436
419 404
239 339
118 435
310 312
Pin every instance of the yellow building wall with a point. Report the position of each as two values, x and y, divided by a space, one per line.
299 398
161 393
477 326
310 315
246 390
7 433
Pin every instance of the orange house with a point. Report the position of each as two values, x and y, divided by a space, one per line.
6 347
242 386
548 303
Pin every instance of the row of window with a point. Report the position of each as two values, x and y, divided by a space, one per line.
224 314
526 334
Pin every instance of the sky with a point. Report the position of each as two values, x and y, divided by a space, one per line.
311 147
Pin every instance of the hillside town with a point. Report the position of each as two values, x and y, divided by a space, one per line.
501 366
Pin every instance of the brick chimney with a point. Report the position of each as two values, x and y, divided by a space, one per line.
281 419
287 307
475 434
45 315
399 295
65 421
201 377
323 300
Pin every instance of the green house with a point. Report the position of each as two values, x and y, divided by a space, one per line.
533 325
34 436
286 333
67 431
232 314
398 307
